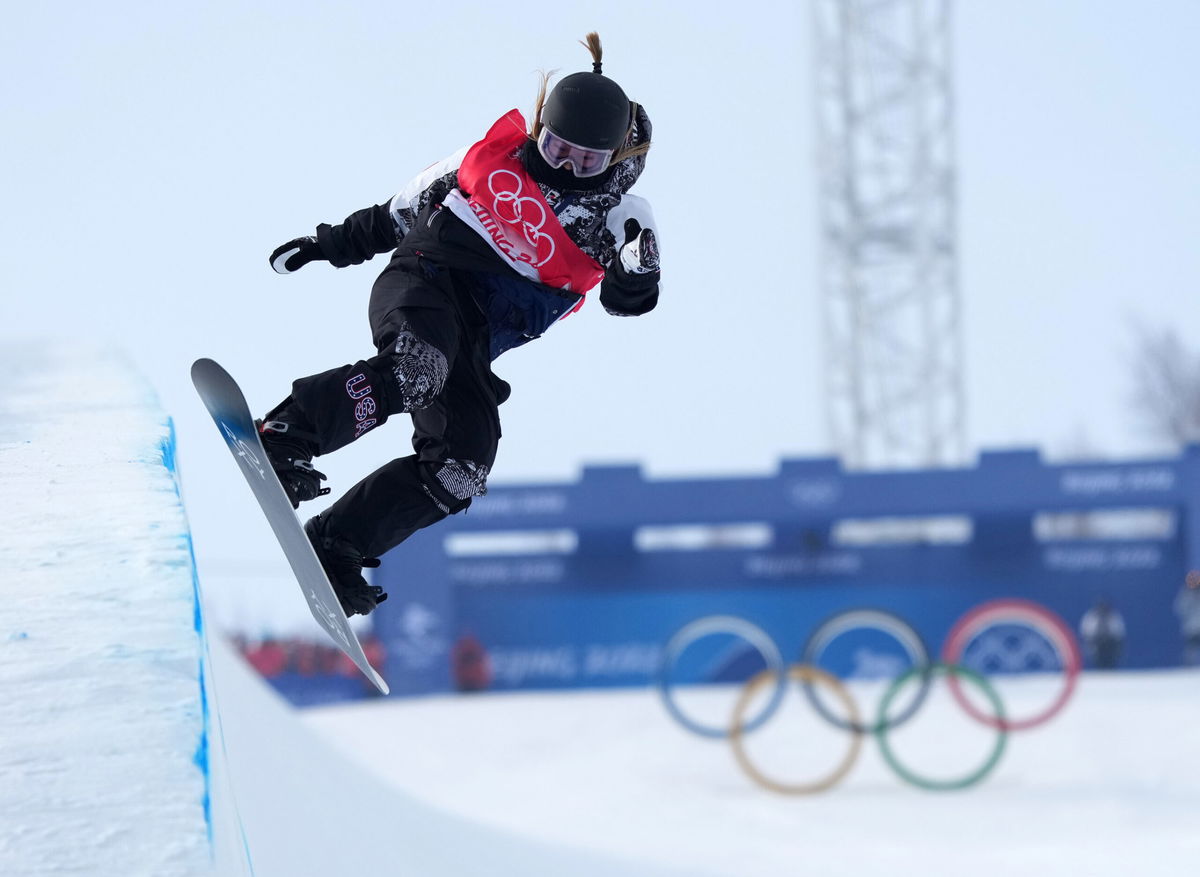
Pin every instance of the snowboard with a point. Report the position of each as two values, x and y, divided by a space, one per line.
224 400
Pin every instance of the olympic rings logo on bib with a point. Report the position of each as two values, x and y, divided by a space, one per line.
512 208
498 200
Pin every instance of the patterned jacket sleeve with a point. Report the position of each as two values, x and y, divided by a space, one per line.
430 186
624 295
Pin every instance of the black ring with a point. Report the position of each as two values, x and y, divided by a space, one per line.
877 619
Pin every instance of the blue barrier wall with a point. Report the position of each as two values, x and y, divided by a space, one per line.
561 585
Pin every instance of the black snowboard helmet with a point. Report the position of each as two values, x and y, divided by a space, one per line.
589 110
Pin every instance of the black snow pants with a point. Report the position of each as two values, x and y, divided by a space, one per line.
433 363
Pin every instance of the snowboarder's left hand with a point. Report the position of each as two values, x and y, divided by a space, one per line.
630 286
637 263
295 254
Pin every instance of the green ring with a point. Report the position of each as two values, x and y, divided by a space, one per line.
881 728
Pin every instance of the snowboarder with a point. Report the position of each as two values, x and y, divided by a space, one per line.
492 246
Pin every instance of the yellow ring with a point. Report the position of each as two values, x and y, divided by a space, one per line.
812 676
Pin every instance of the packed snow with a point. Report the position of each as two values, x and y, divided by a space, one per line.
102 725
1110 787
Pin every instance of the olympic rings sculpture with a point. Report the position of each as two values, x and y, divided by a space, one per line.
968 636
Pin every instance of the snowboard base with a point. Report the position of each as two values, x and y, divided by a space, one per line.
227 405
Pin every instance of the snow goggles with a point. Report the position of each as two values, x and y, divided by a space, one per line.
584 162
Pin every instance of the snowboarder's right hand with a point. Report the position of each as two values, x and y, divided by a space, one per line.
295 254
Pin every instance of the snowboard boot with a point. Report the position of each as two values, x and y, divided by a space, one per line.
290 448
344 563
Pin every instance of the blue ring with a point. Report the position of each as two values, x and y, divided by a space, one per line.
705 626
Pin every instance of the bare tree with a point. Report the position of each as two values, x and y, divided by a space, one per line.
1166 385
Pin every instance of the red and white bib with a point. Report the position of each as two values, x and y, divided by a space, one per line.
499 200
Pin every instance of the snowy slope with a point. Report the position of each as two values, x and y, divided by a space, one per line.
308 809
133 742
1108 789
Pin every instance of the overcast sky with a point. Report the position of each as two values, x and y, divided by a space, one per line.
153 154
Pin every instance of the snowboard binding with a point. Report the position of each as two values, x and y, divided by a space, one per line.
343 564
291 451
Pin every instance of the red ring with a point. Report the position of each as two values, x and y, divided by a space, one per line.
1040 619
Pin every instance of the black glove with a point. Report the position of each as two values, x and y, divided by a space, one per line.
637 263
295 254
630 287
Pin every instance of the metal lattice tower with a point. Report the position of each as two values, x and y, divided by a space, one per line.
889 265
